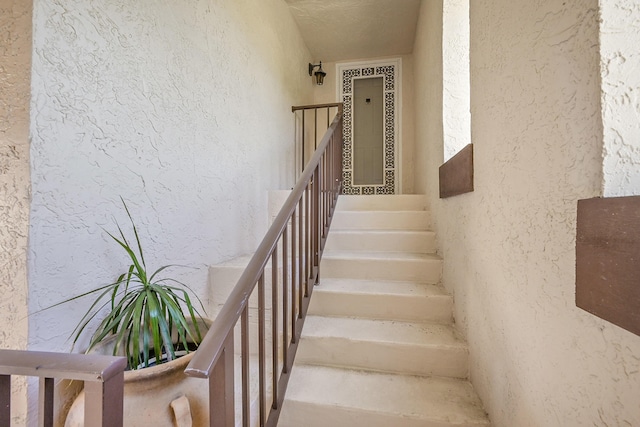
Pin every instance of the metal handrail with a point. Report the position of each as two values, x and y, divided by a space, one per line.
316 106
103 377
303 222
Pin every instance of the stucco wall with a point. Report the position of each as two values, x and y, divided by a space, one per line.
620 67
509 247
15 66
183 109
428 95
327 93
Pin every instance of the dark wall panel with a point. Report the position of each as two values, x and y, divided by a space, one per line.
456 175
608 260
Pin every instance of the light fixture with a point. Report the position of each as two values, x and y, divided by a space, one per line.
319 74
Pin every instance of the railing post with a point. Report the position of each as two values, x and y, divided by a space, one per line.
104 402
221 391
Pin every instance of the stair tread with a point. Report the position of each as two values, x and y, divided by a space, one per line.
382 287
444 399
382 255
384 331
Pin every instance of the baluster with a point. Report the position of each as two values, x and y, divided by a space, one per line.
5 400
274 326
300 255
285 301
294 274
45 403
244 330
304 131
262 362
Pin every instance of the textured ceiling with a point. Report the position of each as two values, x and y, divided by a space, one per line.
336 30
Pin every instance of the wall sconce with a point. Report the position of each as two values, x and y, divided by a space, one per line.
319 74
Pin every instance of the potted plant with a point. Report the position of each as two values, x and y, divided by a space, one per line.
152 320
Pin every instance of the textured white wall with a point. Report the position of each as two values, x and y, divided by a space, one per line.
509 247
15 66
428 98
455 71
183 109
620 68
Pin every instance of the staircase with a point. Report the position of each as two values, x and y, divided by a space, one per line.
379 348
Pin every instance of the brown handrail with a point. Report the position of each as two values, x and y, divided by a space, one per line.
302 224
316 106
103 377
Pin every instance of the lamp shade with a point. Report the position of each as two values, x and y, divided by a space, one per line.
320 77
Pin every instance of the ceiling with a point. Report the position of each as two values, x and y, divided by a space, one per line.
336 30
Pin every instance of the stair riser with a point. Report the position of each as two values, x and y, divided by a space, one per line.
385 242
355 220
423 271
442 361
404 202
296 414
436 309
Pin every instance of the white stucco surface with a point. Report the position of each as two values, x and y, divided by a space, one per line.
15 65
620 68
455 72
183 109
428 98
509 247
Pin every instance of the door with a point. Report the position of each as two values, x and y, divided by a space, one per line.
378 165
368 142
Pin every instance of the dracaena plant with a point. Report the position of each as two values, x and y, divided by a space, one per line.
143 308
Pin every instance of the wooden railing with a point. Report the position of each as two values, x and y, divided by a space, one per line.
294 243
103 378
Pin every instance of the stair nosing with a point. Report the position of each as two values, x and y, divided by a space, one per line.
451 332
366 407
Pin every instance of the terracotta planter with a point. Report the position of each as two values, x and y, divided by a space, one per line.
150 392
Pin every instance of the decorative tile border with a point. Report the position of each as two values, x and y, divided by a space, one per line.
389 71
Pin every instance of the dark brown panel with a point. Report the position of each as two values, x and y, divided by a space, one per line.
456 175
608 260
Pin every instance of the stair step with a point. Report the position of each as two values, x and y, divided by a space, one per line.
381 220
381 202
323 396
381 300
383 345
424 268
385 240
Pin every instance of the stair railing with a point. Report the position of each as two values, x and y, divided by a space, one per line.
294 243
103 378
310 127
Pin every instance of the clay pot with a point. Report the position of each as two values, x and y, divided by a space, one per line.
160 395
